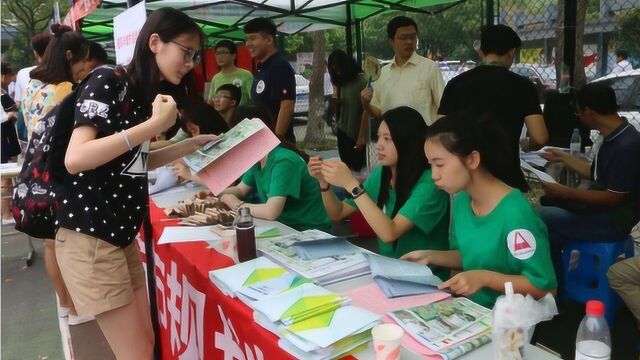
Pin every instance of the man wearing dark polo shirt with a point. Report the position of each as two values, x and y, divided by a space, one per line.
274 82
491 90
609 209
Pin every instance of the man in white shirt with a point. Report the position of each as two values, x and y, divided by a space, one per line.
409 80
622 64
39 45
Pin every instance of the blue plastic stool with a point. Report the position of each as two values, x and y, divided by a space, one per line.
588 280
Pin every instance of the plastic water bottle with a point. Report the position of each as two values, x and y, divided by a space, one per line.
245 235
574 149
593 341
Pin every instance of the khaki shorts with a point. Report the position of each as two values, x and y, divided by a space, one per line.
99 276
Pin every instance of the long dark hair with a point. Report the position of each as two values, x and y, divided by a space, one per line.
407 128
342 68
168 23
260 112
55 68
461 134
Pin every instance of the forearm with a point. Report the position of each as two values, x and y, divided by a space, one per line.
364 126
449 259
384 227
372 110
160 144
521 284
170 153
233 190
284 118
87 155
264 211
332 205
578 165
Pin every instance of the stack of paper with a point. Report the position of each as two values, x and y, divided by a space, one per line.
324 271
321 248
402 278
250 273
330 335
302 303
450 327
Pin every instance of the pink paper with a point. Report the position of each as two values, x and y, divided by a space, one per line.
229 167
370 297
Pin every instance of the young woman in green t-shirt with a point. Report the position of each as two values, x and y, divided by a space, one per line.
285 190
399 199
496 236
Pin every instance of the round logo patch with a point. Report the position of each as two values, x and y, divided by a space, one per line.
260 87
237 82
521 243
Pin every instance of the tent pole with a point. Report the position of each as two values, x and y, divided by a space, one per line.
348 33
490 16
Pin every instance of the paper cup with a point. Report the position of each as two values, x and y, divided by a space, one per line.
386 341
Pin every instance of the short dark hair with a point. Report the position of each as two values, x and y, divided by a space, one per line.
498 39
233 90
206 118
398 22
7 68
261 25
97 53
598 97
621 53
55 68
227 44
39 42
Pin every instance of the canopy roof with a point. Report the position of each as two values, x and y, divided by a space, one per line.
225 18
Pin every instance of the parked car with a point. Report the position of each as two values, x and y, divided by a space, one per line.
302 96
627 88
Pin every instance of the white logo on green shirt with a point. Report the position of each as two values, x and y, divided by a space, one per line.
521 243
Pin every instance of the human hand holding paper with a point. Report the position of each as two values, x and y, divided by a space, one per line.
466 283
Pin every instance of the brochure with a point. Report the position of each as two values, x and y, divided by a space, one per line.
398 278
445 325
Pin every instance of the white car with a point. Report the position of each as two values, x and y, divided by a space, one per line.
627 88
302 96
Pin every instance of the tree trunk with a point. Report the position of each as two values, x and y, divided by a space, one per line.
315 122
579 77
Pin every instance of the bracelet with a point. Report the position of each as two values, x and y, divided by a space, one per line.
324 189
126 139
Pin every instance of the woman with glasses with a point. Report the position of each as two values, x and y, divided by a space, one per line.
226 55
105 199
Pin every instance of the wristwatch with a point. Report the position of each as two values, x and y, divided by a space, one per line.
357 191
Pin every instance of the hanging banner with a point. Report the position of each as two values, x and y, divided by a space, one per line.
126 28
80 9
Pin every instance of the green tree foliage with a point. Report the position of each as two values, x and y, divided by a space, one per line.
628 32
29 17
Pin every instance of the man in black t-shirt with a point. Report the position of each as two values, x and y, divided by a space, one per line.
274 82
491 90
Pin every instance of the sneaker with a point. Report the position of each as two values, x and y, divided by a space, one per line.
77 319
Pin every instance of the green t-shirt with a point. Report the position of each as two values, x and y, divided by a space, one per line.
351 106
511 240
427 208
240 78
285 174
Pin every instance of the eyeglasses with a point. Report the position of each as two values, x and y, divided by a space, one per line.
222 53
189 54
220 97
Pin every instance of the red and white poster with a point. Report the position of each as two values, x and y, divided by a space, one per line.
80 9
126 27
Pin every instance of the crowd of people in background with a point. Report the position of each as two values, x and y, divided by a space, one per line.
447 191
